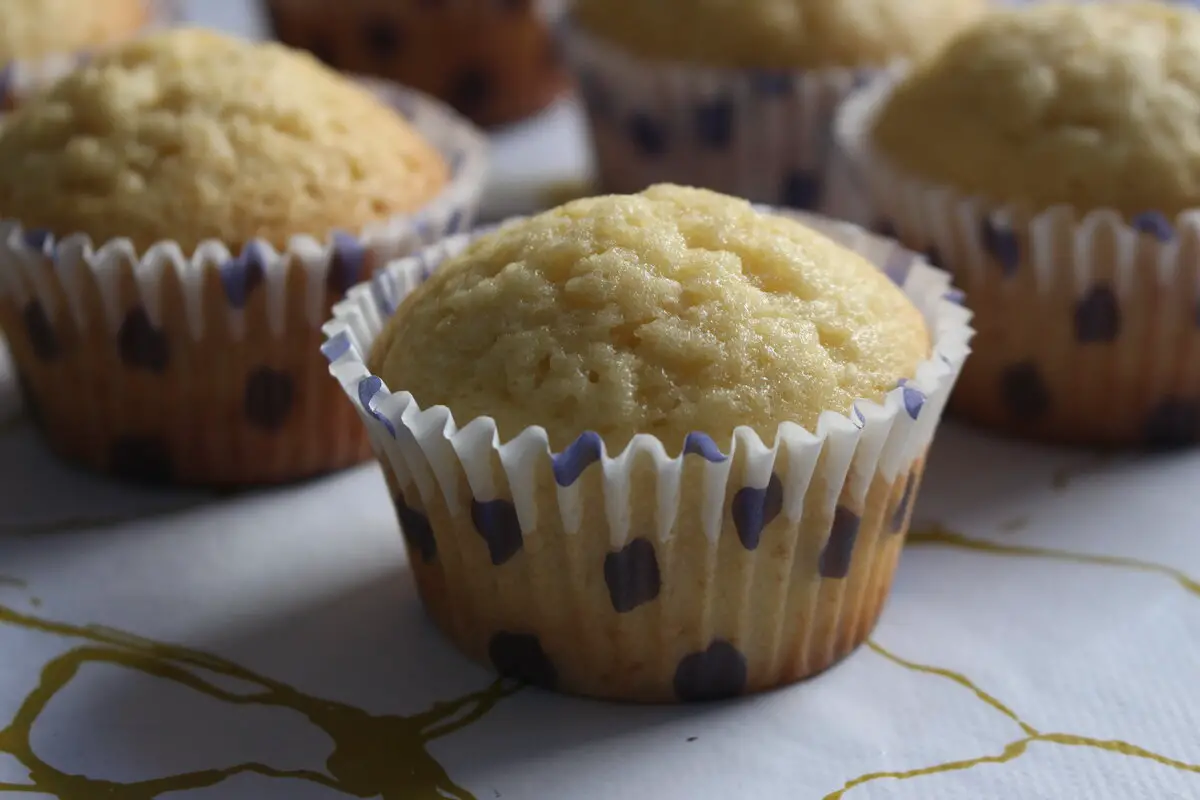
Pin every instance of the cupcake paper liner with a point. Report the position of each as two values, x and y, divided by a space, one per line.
645 575
22 77
761 135
202 368
1089 324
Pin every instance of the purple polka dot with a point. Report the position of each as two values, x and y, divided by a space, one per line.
43 339
839 550
714 124
801 189
140 344
1173 424
520 656
1024 393
1001 243
346 264
648 135
956 296
416 530
701 444
754 509
717 673
336 347
269 397
914 398
1098 316
496 521
632 576
368 387
569 465
1155 224
38 239
242 275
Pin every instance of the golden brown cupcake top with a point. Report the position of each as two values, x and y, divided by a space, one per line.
35 28
189 135
666 312
778 34
1095 105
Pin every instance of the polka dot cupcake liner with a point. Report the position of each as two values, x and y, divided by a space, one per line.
202 368
20 78
1089 324
761 135
648 575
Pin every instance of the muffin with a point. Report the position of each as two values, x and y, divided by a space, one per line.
1048 158
179 216
492 60
42 39
739 96
658 447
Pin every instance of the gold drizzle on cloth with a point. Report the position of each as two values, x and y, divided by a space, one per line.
937 535
373 756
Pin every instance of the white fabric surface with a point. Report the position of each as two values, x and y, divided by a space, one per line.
308 586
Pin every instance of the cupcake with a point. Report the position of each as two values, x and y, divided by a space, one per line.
1048 158
658 447
179 215
42 39
739 97
492 60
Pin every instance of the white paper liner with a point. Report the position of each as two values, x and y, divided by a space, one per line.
845 453
1114 377
22 77
32 267
761 135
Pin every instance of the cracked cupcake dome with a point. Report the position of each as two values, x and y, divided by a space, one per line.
32 29
670 311
1090 105
189 135
778 34
495 61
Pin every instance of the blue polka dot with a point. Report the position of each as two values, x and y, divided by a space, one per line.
243 274
648 135
701 444
336 347
801 189
346 265
956 296
1001 243
497 522
857 417
569 465
368 388
383 289
1156 225
714 124
838 552
455 222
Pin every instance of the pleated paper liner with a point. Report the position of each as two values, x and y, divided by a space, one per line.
1088 324
647 575
761 135
23 77
202 368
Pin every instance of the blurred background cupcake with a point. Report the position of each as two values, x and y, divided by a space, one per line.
492 60
41 40
1048 158
739 95
177 217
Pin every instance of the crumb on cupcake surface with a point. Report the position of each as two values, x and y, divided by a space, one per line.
777 34
36 28
1094 105
190 134
667 312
